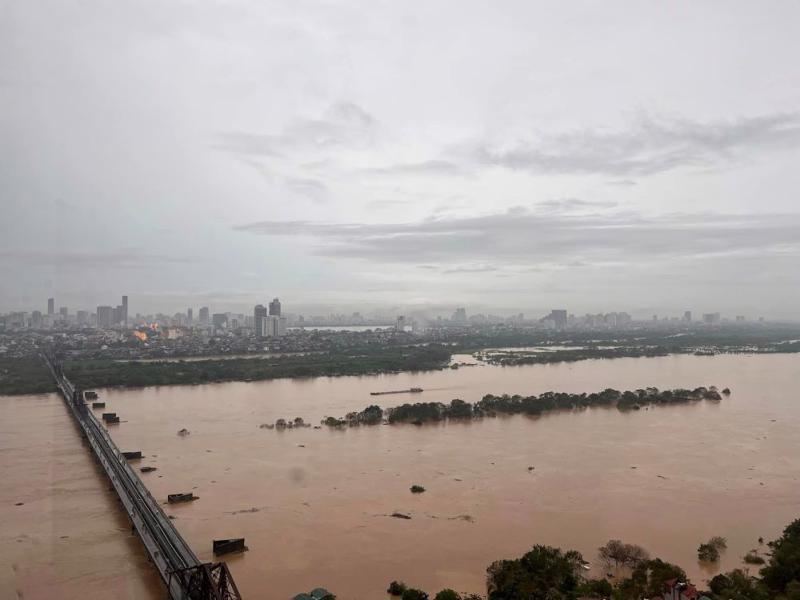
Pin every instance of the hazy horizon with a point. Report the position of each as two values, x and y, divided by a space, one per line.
520 157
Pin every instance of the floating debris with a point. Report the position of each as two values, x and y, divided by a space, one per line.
467 518
183 497
228 546
244 510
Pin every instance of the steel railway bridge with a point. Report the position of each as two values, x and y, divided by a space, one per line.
185 577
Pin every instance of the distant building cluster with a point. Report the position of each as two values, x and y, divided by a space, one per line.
269 324
103 317
270 321
560 319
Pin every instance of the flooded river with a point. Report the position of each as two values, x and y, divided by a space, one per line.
314 505
62 534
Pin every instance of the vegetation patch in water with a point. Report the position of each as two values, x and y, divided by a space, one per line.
491 405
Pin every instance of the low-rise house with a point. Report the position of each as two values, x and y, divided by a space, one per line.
680 590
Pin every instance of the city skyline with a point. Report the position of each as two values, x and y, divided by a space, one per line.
270 321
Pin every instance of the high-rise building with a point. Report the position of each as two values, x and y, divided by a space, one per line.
82 317
711 318
687 316
51 306
275 307
189 316
203 315
124 312
272 326
460 316
219 320
63 311
36 319
259 316
105 316
400 324
559 317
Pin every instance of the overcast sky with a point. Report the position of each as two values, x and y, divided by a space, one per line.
640 156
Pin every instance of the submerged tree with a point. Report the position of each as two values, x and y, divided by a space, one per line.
783 568
647 579
447 594
710 551
737 585
620 554
543 573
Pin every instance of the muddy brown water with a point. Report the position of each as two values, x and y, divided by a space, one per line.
68 538
313 505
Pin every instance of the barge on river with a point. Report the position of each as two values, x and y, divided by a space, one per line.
414 390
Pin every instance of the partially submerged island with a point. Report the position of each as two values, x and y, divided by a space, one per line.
491 405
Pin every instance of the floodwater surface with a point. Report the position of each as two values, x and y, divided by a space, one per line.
62 533
315 505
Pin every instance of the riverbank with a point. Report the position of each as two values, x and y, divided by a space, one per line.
102 374
350 354
26 375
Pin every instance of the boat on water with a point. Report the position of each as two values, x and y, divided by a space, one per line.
413 390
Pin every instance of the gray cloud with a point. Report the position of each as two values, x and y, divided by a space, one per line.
131 258
476 269
428 167
650 145
342 124
570 205
522 237
312 188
